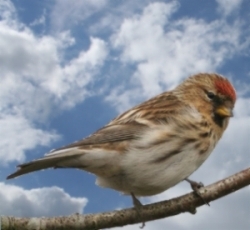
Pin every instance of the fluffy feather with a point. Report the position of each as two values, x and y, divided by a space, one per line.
154 145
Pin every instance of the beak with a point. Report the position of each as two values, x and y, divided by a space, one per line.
224 111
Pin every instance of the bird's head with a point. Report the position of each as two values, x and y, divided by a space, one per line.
213 96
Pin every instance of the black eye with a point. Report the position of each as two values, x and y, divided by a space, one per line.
210 95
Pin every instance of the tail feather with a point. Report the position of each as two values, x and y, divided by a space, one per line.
55 159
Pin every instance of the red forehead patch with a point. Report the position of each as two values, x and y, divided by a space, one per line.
224 87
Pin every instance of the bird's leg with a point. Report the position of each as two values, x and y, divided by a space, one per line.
196 186
137 204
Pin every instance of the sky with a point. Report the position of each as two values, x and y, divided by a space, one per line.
69 67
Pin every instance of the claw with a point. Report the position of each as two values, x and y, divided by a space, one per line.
196 186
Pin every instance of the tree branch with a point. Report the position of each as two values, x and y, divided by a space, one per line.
185 203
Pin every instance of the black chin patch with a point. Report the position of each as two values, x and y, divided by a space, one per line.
219 120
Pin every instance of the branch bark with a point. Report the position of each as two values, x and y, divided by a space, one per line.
185 203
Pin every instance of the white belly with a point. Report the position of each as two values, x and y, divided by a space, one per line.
144 176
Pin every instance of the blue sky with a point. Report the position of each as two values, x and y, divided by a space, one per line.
68 67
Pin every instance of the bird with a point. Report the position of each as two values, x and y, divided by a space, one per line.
154 145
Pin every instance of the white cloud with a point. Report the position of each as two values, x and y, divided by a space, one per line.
32 65
40 21
37 82
18 135
111 19
164 51
227 7
7 9
70 12
51 201
69 83
242 107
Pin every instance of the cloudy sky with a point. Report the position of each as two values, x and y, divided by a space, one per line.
68 67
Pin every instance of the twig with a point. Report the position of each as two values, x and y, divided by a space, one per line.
185 203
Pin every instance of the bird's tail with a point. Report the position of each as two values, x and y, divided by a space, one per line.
56 159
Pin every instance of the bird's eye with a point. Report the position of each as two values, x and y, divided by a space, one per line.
210 95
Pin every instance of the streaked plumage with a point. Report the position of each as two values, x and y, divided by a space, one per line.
154 145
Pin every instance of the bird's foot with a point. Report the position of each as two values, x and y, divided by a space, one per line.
195 187
138 205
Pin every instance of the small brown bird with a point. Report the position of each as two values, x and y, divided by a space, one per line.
154 145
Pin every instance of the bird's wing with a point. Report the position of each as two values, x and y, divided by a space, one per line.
158 109
108 134
114 136
131 124
70 156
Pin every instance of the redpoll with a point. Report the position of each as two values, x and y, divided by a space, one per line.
154 145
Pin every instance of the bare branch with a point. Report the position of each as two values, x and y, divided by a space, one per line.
185 203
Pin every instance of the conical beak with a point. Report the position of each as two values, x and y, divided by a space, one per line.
224 111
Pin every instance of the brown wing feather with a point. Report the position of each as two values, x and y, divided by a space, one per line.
157 109
108 134
130 125
127 126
